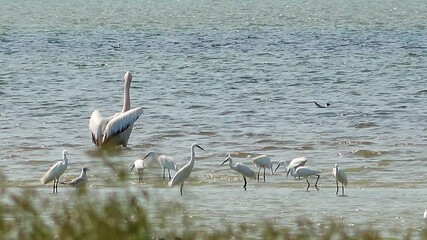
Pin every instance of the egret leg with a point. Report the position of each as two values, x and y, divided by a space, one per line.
259 170
244 185
57 182
140 177
342 184
169 172
315 185
264 174
164 169
53 188
182 185
337 188
308 184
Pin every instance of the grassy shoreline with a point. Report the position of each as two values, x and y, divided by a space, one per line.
29 215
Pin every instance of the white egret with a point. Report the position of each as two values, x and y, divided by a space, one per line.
263 161
165 162
140 166
320 106
339 176
79 181
116 129
305 172
55 172
293 164
242 169
425 213
182 174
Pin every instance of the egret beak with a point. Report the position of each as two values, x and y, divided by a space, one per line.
278 165
200 147
224 161
288 170
132 167
146 155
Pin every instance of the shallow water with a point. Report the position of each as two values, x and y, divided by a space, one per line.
237 77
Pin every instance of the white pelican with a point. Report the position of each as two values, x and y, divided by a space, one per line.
184 172
140 166
242 169
305 172
165 162
339 176
293 164
79 181
263 161
115 130
55 172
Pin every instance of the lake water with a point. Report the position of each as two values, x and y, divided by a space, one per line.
236 77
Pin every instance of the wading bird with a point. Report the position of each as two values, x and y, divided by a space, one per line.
116 129
295 163
165 162
263 161
55 172
305 172
79 181
242 169
339 176
140 166
184 172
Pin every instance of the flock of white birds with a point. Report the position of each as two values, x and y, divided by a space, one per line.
116 130
296 168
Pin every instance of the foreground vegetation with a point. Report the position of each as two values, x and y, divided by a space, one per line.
26 214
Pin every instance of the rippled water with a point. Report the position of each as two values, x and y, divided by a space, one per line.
234 76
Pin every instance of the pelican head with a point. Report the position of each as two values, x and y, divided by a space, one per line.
127 77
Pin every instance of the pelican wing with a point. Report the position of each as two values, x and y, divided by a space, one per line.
96 126
120 122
